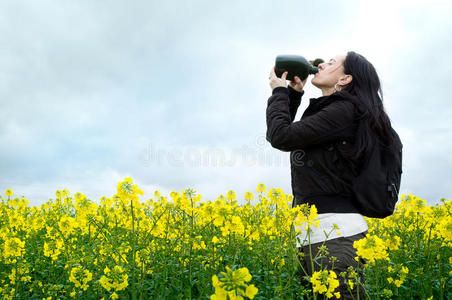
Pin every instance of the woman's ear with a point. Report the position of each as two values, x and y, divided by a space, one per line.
346 79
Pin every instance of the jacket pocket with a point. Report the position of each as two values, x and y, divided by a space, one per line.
321 178
335 166
342 159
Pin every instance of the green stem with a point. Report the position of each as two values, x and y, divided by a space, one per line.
133 287
108 240
310 257
17 278
191 246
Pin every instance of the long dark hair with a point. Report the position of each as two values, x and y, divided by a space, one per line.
374 124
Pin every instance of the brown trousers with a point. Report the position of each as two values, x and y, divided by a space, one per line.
342 249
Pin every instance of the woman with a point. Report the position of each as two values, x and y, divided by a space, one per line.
327 148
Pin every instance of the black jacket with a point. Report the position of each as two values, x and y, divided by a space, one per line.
318 143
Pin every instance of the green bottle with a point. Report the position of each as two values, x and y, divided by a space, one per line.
296 65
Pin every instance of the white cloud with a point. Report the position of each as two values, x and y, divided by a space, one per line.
85 89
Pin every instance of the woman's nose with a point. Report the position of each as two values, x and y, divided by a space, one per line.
321 66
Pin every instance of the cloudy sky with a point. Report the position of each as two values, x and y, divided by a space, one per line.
173 93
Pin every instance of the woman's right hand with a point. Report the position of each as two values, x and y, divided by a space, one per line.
297 84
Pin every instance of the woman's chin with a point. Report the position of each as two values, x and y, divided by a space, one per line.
314 83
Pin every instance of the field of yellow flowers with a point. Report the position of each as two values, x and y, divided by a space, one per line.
180 247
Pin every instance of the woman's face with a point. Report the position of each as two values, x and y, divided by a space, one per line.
329 72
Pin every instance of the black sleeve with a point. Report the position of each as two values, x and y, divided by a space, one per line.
320 127
294 101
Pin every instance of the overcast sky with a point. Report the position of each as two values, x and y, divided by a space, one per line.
173 93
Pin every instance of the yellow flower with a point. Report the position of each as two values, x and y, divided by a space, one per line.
220 294
8 193
251 291
80 277
174 195
351 284
393 242
231 195
53 248
371 248
14 247
126 190
233 285
249 196
105 283
260 188
324 282
67 225
114 279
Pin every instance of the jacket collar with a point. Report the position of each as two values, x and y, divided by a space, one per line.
316 104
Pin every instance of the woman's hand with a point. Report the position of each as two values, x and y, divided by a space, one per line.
297 84
275 81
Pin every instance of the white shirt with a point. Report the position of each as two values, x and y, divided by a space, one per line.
349 224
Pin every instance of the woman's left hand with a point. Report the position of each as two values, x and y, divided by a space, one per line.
297 84
275 81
